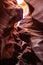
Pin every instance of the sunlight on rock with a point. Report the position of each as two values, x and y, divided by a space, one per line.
24 6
